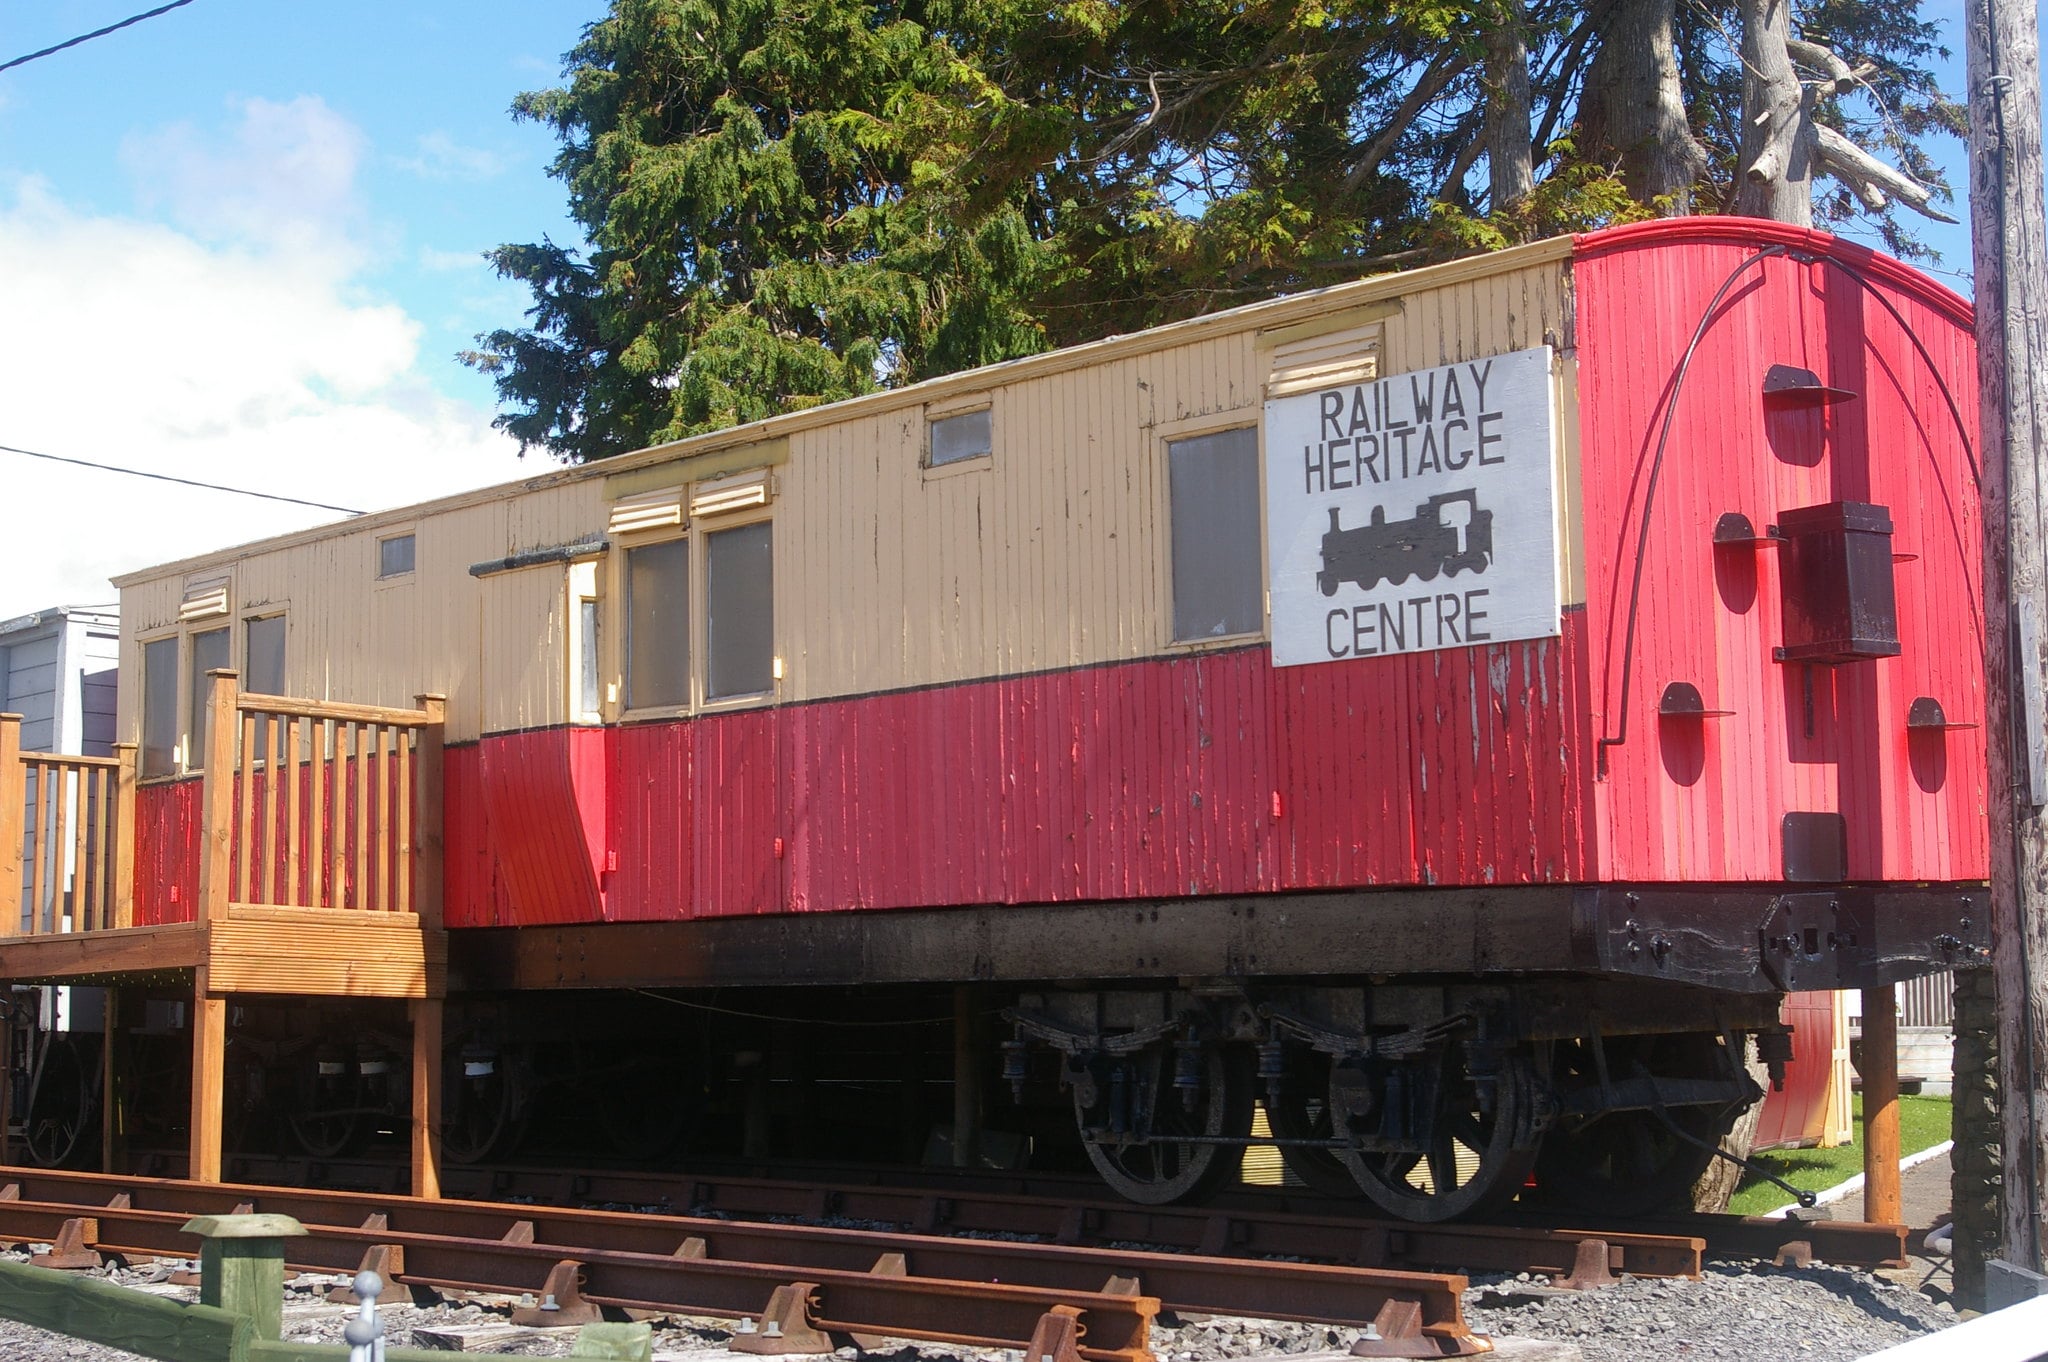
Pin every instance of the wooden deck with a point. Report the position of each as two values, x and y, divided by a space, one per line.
320 875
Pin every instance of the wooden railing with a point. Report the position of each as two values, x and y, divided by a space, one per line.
316 804
67 838
305 804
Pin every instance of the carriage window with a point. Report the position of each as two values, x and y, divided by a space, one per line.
658 625
209 653
589 694
954 438
394 556
739 600
264 671
586 645
160 708
1218 584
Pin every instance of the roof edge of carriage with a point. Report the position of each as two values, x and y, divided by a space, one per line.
1267 314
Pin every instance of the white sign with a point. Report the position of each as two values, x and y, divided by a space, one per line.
1414 512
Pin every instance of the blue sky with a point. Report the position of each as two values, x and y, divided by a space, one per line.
243 241
442 171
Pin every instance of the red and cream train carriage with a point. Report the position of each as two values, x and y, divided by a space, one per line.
1450 708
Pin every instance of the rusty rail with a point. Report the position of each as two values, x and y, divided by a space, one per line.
1076 1211
67 838
883 1283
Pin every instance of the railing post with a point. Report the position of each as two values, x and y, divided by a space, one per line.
216 866
217 799
13 808
125 834
427 835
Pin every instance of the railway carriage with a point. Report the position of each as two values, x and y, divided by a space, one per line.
1443 712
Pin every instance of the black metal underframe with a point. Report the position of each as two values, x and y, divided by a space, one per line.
1754 939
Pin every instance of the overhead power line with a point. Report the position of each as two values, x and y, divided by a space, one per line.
182 482
96 33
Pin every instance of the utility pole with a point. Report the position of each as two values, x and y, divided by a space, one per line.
2010 253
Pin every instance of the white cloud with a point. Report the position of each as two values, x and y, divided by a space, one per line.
283 177
450 262
239 351
441 157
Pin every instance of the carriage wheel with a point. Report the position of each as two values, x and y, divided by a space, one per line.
1629 1162
328 1121
1303 1113
483 1114
1472 1164
1148 1165
62 1122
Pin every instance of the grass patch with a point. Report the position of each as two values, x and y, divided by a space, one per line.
1923 1123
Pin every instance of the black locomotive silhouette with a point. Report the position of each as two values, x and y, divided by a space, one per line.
1448 534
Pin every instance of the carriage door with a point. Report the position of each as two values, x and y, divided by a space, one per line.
542 768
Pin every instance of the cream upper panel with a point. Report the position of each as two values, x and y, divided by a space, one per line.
354 637
1050 553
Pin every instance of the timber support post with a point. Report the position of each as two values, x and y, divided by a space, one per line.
428 1012
2009 252
13 827
1881 1195
216 867
426 1096
114 1083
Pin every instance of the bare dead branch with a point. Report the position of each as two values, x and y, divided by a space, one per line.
1858 169
1812 55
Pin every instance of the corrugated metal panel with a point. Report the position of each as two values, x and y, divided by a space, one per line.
166 852
1798 1113
1704 802
543 803
1206 774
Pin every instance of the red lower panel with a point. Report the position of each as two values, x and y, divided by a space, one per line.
166 853
543 797
1206 774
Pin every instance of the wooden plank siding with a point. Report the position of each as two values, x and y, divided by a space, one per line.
56 671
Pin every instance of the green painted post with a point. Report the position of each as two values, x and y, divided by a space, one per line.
241 1266
615 1342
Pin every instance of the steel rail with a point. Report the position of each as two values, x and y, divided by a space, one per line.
471 1245
1064 1211
1076 1208
992 1315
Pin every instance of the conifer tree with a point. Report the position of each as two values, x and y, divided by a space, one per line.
788 202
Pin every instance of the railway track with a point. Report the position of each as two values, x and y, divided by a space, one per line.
1245 1221
795 1285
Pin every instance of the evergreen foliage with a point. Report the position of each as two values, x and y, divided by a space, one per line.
789 202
